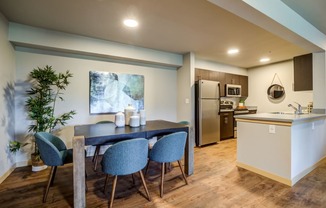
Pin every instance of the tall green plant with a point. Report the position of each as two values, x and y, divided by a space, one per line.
47 87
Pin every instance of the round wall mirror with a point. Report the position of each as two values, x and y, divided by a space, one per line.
275 91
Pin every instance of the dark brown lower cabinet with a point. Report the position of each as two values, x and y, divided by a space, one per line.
226 125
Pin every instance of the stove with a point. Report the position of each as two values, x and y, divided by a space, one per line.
226 106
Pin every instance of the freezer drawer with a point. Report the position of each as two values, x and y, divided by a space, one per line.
209 125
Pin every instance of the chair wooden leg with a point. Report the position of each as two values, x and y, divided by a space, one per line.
106 183
95 158
144 184
168 167
54 172
86 187
133 179
183 173
147 167
95 153
162 179
113 190
51 179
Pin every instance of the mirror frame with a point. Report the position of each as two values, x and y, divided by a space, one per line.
271 90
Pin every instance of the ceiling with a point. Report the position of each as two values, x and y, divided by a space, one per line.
177 26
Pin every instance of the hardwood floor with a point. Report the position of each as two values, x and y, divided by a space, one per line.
217 182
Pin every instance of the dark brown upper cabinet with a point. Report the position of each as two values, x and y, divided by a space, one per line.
224 78
303 72
222 83
244 85
232 79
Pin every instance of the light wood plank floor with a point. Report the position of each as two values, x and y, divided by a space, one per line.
217 182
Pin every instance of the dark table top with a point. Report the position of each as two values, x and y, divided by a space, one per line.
108 132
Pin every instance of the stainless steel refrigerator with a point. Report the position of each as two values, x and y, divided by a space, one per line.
207 112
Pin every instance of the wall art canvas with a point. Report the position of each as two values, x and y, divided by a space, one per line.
112 92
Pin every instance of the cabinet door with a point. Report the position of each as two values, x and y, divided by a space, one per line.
201 74
232 79
221 79
226 125
244 85
197 74
303 72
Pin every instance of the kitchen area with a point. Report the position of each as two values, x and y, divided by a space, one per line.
219 97
273 88
276 126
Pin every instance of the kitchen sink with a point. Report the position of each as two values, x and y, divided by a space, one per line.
286 113
276 112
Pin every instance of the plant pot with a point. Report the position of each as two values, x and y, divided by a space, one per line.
37 163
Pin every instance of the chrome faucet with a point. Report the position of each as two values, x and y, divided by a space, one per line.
297 110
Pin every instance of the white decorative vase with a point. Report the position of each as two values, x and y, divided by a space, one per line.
129 110
134 121
119 119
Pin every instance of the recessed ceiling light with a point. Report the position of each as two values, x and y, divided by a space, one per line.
264 59
233 51
130 23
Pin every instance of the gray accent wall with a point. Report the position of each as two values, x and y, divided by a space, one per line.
7 111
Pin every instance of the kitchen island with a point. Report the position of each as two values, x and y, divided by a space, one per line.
281 146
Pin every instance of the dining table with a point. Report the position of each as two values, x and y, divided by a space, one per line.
97 134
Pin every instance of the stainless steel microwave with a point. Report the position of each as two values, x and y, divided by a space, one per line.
232 90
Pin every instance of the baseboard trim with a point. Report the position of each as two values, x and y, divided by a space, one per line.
23 163
266 174
289 182
6 174
308 170
13 167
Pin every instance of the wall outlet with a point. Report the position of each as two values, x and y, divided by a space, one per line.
312 125
271 129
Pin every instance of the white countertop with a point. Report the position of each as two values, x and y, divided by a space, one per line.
286 117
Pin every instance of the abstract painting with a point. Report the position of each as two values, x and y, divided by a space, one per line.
113 92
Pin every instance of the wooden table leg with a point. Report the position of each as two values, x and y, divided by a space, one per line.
189 153
79 171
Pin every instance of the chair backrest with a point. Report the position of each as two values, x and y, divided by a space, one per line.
169 148
51 148
125 157
184 122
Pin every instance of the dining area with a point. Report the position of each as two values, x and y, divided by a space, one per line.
129 155
216 182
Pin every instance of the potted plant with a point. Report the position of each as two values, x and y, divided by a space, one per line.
15 146
46 90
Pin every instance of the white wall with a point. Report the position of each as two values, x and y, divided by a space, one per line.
319 77
184 88
7 79
160 90
260 79
34 37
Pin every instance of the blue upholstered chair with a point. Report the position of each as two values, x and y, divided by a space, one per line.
124 158
184 122
54 153
169 148
98 147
